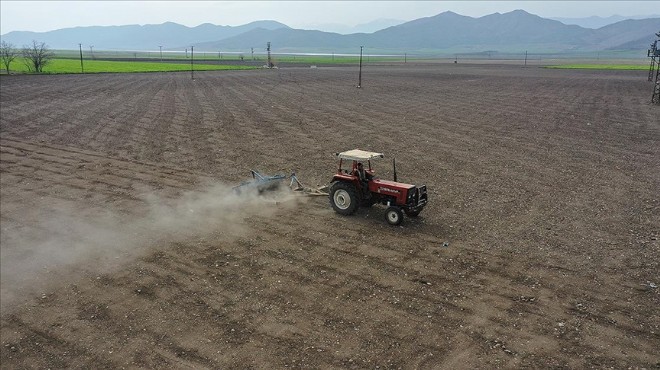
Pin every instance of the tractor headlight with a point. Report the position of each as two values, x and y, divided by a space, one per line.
411 194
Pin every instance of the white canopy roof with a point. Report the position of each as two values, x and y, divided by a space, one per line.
359 155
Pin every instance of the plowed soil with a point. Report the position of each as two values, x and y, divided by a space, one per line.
122 245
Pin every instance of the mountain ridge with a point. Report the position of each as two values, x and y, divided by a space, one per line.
134 36
447 31
595 22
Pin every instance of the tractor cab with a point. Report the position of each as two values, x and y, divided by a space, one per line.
349 163
355 184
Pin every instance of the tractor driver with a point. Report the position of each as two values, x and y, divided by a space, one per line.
363 176
361 173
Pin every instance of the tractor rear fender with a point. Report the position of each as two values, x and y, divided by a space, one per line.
347 178
344 177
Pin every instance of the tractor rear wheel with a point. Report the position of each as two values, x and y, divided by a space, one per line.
343 198
394 216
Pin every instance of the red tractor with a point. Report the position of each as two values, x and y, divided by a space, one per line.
358 186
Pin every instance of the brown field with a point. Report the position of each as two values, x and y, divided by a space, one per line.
122 246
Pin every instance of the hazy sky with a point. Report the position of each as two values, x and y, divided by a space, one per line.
49 15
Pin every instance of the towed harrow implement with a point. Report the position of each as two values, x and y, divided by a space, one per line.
261 183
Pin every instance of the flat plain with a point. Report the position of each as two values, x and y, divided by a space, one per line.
122 245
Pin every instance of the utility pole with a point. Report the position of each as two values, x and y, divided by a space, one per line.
161 53
82 69
525 58
192 57
360 74
654 53
91 50
186 52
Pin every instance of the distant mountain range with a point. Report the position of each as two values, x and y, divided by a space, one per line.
446 32
598 22
368 27
135 37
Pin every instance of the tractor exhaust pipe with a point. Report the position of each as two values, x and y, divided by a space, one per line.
394 166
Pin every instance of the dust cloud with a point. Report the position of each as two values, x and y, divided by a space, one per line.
43 248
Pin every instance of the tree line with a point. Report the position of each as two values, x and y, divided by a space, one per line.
35 56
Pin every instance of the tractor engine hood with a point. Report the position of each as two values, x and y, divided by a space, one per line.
393 184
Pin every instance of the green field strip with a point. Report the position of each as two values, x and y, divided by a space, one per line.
65 66
622 67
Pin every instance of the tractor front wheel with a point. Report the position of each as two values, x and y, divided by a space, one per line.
343 198
394 216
